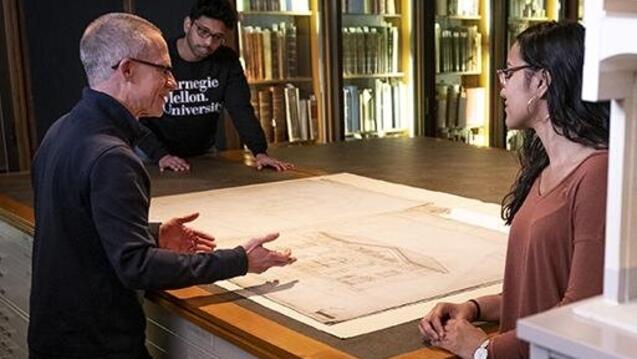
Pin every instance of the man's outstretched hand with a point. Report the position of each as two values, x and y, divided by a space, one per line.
174 235
261 259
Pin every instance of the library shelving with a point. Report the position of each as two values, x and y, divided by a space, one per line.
277 42
462 68
376 68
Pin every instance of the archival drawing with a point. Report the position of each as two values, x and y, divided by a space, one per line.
363 246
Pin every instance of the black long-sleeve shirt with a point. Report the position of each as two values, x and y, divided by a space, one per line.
93 245
193 111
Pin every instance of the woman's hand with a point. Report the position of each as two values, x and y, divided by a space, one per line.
461 338
432 325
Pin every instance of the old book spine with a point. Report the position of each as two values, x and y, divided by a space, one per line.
278 114
291 50
267 55
274 52
265 113
292 113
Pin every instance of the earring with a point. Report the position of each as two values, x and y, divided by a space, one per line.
532 101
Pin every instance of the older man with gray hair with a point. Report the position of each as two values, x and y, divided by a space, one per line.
93 245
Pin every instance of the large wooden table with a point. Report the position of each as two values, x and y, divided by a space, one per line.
484 174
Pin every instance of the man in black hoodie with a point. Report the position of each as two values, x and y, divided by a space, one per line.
93 245
209 79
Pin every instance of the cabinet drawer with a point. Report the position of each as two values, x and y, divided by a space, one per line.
13 332
178 337
15 283
15 243
172 345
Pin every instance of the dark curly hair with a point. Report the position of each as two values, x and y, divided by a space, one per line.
220 10
558 48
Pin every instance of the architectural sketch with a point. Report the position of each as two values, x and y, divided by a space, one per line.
362 246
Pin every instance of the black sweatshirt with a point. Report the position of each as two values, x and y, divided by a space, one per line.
193 111
93 245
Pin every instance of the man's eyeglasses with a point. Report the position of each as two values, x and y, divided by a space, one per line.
166 70
204 33
505 74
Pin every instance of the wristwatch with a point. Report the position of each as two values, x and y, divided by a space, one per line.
481 352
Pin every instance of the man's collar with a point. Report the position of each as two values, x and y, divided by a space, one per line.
115 112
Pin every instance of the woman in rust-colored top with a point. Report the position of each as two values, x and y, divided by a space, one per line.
556 207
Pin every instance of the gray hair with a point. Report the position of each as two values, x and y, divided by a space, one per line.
109 39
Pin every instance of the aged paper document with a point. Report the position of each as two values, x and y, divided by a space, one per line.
371 254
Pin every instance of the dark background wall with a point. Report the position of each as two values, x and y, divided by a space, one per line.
167 15
53 30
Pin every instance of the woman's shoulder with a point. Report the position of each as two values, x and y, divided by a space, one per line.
594 169
596 160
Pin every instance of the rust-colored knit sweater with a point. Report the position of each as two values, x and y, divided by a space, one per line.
555 253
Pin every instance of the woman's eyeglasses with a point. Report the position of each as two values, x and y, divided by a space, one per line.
505 74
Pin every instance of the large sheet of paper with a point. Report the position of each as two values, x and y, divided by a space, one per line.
371 254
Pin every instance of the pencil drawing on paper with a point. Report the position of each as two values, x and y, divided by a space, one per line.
362 246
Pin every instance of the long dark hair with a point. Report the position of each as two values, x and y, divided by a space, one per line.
557 48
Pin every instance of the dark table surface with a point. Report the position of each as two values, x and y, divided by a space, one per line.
480 173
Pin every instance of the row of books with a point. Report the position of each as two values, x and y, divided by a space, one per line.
269 53
459 107
273 5
458 49
368 6
527 8
458 7
370 49
284 115
375 109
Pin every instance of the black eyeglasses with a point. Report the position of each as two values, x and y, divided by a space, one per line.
505 74
166 70
204 33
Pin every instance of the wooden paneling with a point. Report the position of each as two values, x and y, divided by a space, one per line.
333 69
498 48
18 144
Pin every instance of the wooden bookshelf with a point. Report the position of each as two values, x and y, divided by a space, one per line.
529 19
462 71
280 81
278 50
377 67
374 76
484 79
276 13
459 17
384 15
